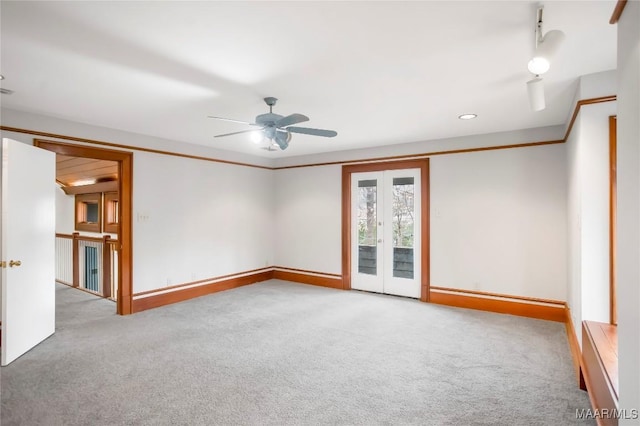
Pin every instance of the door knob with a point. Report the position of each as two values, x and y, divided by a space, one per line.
13 263
379 240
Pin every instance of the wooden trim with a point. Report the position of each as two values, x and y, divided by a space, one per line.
109 222
599 363
304 278
123 146
125 194
425 225
501 295
150 302
530 310
574 346
80 212
388 158
69 236
206 280
580 104
346 229
613 154
106 267
306 271
617 11
347 171
92 239
422 155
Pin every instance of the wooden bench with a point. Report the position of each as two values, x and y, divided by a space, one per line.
599 370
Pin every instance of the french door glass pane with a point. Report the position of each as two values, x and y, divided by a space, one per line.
403 226
367 227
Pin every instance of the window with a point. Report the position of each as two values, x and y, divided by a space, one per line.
88 215
110 215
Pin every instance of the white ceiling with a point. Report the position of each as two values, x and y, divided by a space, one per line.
378 73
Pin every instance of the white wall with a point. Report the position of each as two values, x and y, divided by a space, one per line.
628 219
65 205
588 211
498 221
308 218
594 140
521 136
203 220
574 227
48 124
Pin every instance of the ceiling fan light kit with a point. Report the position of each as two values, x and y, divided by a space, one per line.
545 47
275 128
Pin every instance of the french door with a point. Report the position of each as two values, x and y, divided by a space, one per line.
385 232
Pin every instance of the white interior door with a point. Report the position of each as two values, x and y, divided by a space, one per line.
27 248
385 234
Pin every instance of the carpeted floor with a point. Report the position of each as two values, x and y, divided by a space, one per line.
278 353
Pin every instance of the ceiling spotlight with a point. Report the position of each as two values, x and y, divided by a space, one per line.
1 77
535 89
546 47
467 116
538 65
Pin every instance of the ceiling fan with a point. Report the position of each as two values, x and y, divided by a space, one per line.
277 128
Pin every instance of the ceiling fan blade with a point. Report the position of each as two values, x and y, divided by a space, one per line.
233 121
314 132
237 133
291 119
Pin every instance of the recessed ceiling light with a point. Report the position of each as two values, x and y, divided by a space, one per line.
83 182
1 77
467 116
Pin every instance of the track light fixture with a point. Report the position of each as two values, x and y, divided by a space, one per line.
545 47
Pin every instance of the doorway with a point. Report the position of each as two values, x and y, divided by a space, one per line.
124 212
386 228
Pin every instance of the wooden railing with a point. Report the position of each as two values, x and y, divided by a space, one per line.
89 263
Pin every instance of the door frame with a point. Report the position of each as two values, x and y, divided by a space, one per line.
125 192
347 171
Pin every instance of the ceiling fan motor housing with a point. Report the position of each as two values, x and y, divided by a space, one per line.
268 119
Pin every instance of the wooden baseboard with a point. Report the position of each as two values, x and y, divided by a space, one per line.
519 306
154 301
574 346
308 277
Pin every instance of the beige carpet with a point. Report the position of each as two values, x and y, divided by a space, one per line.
278 353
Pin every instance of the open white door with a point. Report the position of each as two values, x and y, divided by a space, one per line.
28 247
